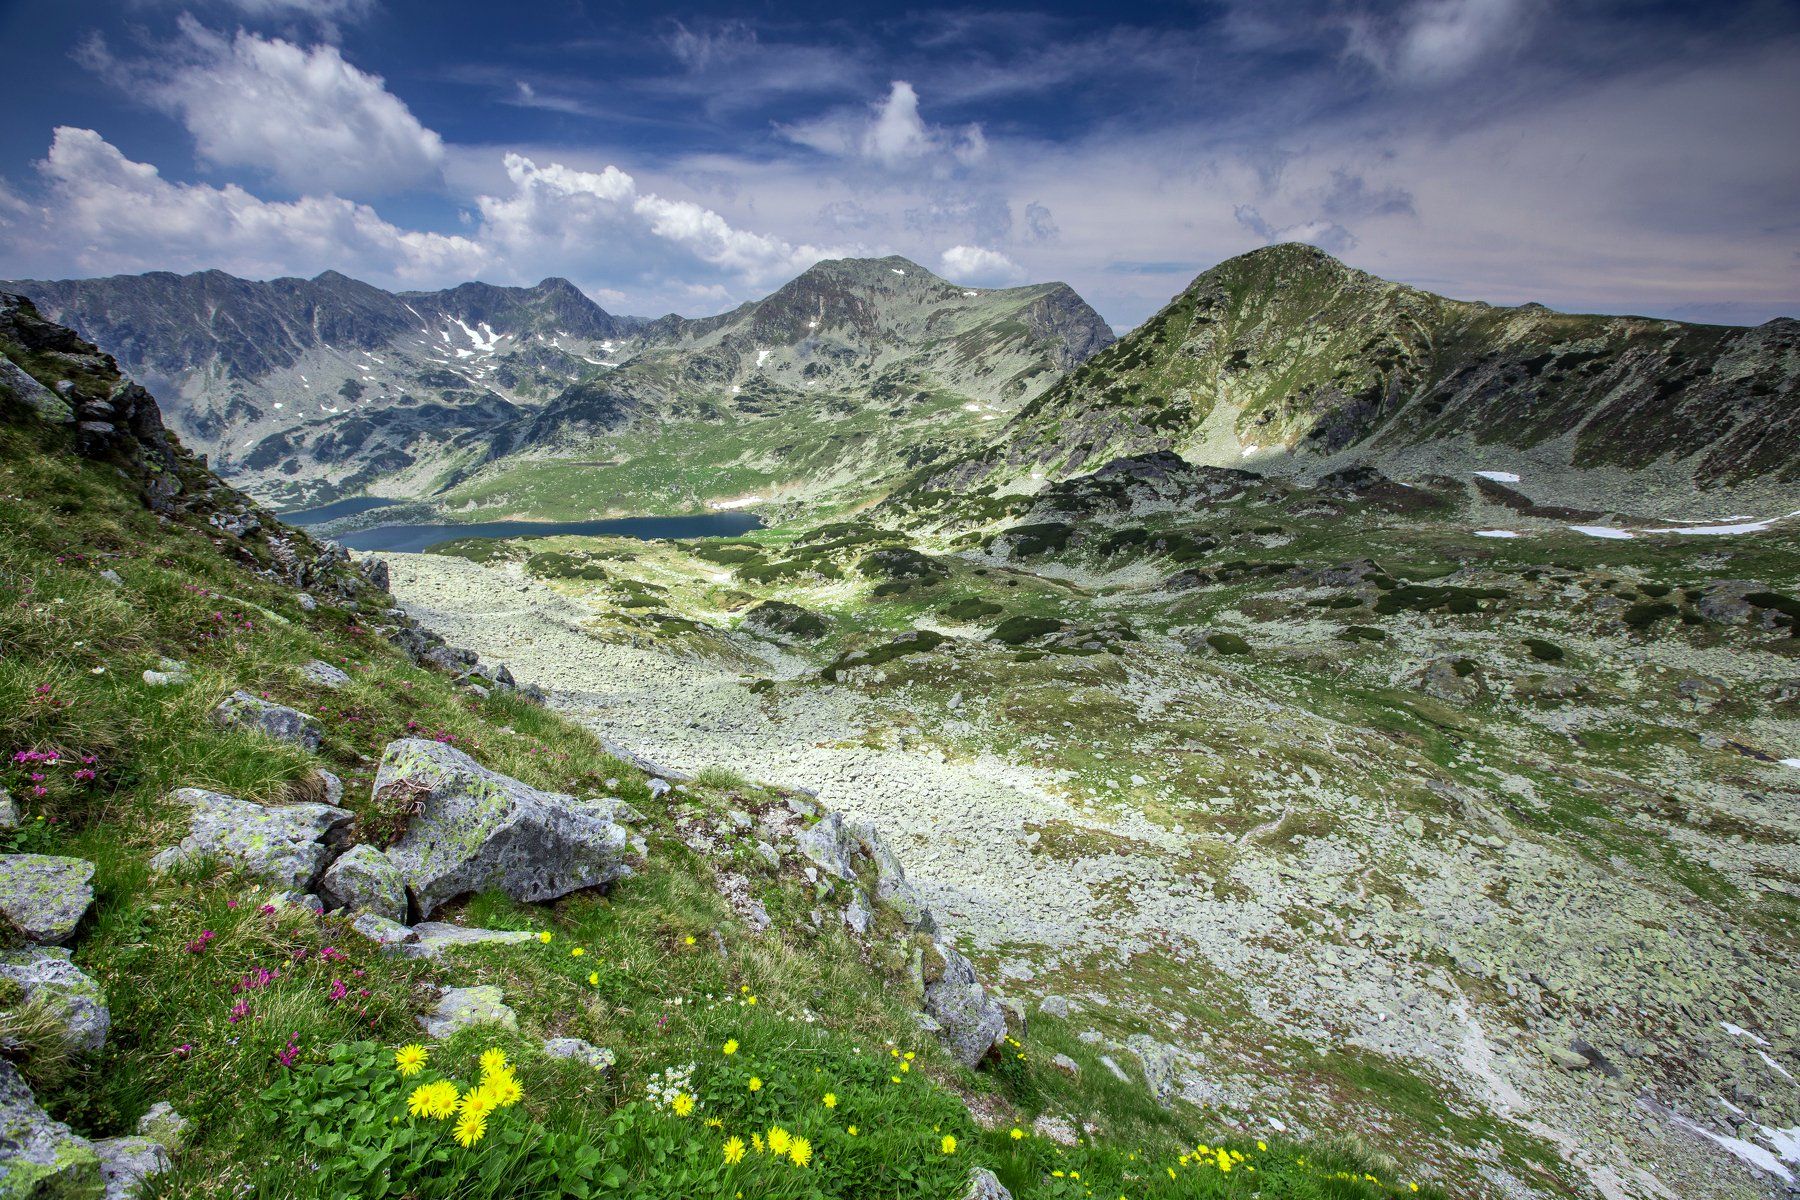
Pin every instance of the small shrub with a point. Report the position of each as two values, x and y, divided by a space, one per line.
1018 629
1544 651
1227 643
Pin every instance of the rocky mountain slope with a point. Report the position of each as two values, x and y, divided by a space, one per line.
301 389
1287 360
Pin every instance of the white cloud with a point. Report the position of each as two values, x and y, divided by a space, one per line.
1436 40
1328 236
324 10
304 115
112 214
891 133
980 266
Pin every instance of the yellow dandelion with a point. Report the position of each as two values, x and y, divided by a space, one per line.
755 1084
410 1059
908 1056
756 1142
442 1102
750 1000
577 952
1262 1145
476 1101
905 1067
503 1088
799 1151
730 1046
778 1140
1017 1133
830 1100
683 1104
713 1123
470 1128
893 1079
851 1131
948 1145
493 1059
420 1102
688 940
544 937
593 979
734 1150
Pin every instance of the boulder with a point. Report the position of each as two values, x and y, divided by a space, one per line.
375 570
363 879
39 1156
40 399
831 846
45 976
45 896
244 711
431 938
586 1053
285 847
983 1186
324 674
128 1163
164 1126
969 1020
891 886
1456 680
464 1008
382 931
475 829
1161 1063
857 914
1055 1006
9 811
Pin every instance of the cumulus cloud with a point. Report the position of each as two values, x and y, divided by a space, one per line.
980 266
302 115
120 215
1328 236
1436 40
891 133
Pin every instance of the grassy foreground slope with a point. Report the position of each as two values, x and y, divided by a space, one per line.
274 1031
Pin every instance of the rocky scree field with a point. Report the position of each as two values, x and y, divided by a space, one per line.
301 900
1432 815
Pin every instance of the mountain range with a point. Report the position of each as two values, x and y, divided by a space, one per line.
865 375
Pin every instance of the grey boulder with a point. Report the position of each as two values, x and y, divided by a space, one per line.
243 711
324 674
891 885
969 1020
128 1163
363 879
382 931
586 1053
40 1156
431 938
474 829
831 846
983 1186
45 896
285 847
464 1008
45 976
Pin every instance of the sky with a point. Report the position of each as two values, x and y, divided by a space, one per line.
1632 156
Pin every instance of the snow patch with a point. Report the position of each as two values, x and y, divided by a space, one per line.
897 270
762 356
1787 1140
1499 476
971 293
736 502
1748 526
1495 533
1604 531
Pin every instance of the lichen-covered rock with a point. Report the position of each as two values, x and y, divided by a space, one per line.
1161 1063
45 976
891 886
128 1163
164 1126
244 711
9 811
969 1020
831 846
363 879
983 1186
431 938
324 674
40 399
857 914
467 1007
41 1158
45 896
284 847
382 931
474 829
1456 680
596 1057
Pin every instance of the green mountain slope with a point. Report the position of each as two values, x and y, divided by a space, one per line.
1286 360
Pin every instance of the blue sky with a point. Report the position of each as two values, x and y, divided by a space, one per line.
1596 155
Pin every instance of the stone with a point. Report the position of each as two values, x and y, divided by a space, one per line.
1456 680
382 931
363 879
431 938
1056 1006
971 1021
983 1186
294 899
1066 1065
164 1126
113 577
324 674
1563 1056
586 1053
1161 1063
40 1156
45 896
9 810
40 399
658 788
46 976
830 845
128 1163
891 885
284 847
305 602
375 570
475 829
466 1007
244 711
857 914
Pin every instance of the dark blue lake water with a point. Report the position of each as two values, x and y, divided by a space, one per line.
413 538
334 510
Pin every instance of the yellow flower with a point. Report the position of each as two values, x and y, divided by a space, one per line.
905 1067
577 952
441 1104
593 979
476 1101
908 1056
493 1060
830 1100
799 1151
750 1000
544 937
470 1128
851 1131
688 940
730 1046
410 1059
1017 1133
893 1079
1262 1145
419 1103
734 1150
683 1104
755 1084
778 1140
756 1142
949 1144
503 1088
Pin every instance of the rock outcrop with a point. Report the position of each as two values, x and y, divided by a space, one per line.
45 977
44 896
285 847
